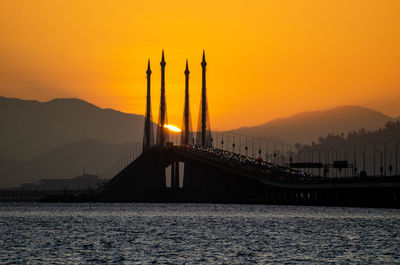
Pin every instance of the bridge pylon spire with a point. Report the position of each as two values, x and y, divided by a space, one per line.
162 132
204 129
186 135
148 135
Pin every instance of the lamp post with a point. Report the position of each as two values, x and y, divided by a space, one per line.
299 156
324 151
312 160
374 158
336 158
381 168
384 154
365 146
345 158
397 168
252 149
384 150
240 144
309 155
355 159
290 153
390 163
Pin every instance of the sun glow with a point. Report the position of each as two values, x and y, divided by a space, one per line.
313 55
172 128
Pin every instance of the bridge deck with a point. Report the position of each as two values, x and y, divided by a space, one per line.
285 177
218 176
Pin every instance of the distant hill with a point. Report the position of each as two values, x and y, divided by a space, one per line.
51 139
65 161
308 126
30 128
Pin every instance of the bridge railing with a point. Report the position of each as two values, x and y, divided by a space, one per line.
269 150
243 162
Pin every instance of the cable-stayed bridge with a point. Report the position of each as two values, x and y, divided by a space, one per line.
206 166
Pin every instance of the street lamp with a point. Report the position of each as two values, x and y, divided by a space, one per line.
319 160
252 149
355 159
385 157
390 163
381 168
384 150
290 153
365 146
397 168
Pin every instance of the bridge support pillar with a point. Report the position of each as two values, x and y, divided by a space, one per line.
174 175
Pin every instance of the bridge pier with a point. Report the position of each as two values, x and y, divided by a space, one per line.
176 174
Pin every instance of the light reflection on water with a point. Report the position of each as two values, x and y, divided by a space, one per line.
196 234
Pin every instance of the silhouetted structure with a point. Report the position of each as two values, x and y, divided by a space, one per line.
162 132
186 135
201 173
218 176
148 136
204 131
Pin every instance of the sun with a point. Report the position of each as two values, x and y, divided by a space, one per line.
172 128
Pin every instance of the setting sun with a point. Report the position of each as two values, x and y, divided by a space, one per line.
172 128
266 59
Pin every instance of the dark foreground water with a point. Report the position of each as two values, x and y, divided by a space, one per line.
196 234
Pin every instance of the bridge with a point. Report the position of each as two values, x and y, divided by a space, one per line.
195 167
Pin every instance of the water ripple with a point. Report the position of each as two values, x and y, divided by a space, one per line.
196 234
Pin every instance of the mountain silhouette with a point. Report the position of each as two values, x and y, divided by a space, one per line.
65 161
308 126
58 138
30 127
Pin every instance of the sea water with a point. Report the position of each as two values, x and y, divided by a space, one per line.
37 233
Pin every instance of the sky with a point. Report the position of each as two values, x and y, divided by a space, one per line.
266 59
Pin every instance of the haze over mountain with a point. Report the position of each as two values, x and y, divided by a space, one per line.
65 161
308 126
57 139
30 128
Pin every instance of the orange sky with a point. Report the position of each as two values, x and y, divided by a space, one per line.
266 59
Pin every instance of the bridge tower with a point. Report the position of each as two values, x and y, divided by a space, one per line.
204 129
162 132
186 135
148 135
